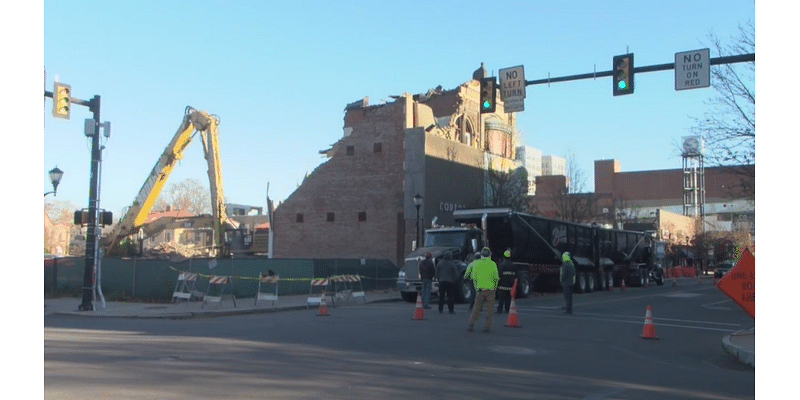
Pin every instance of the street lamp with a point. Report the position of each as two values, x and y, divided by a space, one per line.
55 178
417 203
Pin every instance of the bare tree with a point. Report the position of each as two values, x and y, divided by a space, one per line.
729 128
573 203
508 189
188 194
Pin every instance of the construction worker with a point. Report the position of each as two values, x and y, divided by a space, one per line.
426 272
447 276
485 277
507 274
567 280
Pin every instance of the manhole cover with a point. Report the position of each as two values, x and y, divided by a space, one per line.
512 350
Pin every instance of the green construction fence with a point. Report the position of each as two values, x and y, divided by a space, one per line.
155 279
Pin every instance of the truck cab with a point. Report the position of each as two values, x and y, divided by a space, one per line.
461 242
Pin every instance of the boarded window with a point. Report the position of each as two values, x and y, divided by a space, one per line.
331 217
362 216
299 217
377 147
351 150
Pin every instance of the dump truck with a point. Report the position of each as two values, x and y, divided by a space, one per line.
602 256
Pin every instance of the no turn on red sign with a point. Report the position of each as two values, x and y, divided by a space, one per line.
740 283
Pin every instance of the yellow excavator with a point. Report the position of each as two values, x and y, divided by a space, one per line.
194 121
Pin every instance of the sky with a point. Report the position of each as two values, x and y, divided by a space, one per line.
279 74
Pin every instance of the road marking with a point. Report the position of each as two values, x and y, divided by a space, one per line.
682 295
629 319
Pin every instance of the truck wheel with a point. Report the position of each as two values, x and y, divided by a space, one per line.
523 286
465 292
580 283
410 297
590 282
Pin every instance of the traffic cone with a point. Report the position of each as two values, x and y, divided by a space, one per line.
419 313
513 319
649 331
323 307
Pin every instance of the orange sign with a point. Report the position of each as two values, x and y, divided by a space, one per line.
740 283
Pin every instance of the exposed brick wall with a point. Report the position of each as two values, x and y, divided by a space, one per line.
366 181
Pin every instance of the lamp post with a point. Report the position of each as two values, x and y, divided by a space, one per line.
417 203
55 178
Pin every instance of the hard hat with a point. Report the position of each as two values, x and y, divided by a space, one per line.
507 253
565 256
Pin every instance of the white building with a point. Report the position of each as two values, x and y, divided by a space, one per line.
531 159
554 165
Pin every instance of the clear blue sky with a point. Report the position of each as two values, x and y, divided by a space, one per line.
279 74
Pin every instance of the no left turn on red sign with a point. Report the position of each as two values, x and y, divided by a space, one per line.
740 283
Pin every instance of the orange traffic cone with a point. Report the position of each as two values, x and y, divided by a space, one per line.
649 331
323 307
419 313
513 318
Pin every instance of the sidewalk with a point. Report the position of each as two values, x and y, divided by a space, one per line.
197 309
742 345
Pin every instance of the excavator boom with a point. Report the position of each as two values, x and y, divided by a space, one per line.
134 218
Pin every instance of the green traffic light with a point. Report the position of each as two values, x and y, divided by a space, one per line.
621 84
486 104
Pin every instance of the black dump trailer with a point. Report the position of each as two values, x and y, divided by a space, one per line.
601 256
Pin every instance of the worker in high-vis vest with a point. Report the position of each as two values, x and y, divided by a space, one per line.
567 280
485 277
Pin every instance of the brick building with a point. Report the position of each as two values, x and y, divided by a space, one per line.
359 203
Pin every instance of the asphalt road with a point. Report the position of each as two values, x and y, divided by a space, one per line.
380 351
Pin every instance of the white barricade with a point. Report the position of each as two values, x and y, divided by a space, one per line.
349 284
318 283
184 288
266 280
219 283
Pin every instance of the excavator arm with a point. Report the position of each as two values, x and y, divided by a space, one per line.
134 218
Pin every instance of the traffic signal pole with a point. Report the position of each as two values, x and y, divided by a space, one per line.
90 267
649 68
92 248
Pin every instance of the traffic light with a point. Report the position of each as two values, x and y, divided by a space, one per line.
62 95
623 74
106 218
488 95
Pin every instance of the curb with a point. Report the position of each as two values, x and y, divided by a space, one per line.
744 356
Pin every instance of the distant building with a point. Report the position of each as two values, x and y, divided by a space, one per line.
531 159
554 165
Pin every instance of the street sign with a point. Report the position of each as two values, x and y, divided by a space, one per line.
512 88
740 283
692 69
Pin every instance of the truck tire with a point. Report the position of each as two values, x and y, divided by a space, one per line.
602 284
410 297
465 292
580 283
523 286
590 282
